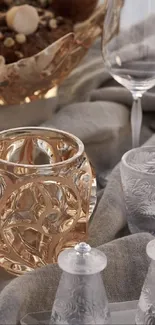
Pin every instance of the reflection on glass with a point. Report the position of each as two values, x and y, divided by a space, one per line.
46 196
129 51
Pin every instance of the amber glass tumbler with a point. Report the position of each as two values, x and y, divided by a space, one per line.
46 196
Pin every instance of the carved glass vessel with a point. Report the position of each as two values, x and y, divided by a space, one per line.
34 77
81 296
47 195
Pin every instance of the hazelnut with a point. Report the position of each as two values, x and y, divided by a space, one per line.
49 14
20 38
23 19
9 42
19 54
43 22
52 23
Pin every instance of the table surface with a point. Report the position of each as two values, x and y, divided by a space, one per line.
121 314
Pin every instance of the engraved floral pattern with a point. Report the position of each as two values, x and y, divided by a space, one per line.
146 307
80 300
138 181
143 161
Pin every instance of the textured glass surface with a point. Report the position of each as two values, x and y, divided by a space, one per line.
138 181
82 260
46 187
81 296
33 78
80 299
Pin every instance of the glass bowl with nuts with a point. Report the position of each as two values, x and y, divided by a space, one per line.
41 42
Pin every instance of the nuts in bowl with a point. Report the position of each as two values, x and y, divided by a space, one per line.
40 44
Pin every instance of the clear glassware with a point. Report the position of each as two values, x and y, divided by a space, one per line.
146 306
81 296
129 50
138 182
46 196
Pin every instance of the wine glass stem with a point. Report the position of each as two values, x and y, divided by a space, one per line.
136 120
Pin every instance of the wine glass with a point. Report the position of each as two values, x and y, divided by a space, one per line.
128 49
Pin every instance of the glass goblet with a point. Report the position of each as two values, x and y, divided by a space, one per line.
129 51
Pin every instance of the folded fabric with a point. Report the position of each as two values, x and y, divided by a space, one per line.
31 114
123 279
110 216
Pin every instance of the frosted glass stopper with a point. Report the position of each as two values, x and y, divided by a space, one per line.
82 260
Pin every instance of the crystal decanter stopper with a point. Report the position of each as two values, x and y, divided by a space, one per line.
81 298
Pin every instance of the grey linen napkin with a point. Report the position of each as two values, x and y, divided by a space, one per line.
31 114
123 279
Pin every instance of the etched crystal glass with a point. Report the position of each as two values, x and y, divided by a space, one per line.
47 195
138 182
81 296
146 306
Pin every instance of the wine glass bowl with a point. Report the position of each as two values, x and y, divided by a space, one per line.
129 50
